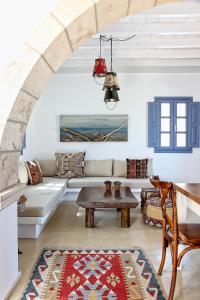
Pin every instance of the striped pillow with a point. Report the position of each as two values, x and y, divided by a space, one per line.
137 168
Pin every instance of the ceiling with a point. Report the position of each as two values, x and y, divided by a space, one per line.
167 40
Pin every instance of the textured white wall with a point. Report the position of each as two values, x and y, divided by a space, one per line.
79 94
8 250
13 17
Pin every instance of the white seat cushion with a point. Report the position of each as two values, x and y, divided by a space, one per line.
43 197
99 181
87 181
134 183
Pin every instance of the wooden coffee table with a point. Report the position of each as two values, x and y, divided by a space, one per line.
95 197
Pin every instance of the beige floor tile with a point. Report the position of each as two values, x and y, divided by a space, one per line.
66 229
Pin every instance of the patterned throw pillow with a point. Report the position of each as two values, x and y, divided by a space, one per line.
69 165
137 168
34 172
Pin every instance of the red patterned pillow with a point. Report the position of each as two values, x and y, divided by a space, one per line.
137 168
34 172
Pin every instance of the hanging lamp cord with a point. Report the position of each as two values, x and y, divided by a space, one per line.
100 45
111 58
107 39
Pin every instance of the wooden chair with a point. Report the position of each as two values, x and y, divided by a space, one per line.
174 233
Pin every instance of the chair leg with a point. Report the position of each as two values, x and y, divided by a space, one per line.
183 252
174 272
164 247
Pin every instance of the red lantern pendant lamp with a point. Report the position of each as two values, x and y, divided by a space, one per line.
100 68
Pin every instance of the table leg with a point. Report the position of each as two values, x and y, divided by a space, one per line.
125 217
89 217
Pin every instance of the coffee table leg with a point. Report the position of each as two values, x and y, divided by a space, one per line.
89 217
125 217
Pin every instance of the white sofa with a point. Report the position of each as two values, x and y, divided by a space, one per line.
44 198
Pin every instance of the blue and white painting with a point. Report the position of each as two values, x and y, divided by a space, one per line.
94 128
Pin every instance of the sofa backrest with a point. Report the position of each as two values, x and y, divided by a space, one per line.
92 168
48 167
120 168
98 168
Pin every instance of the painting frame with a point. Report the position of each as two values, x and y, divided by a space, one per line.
93 128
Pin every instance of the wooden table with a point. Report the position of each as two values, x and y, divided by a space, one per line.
95 197
188 196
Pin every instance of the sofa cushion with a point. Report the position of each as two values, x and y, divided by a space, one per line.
42 198
48 167
134 183
34 172
69 165
99 181
98 168
120 168
22 173
87 182
137 168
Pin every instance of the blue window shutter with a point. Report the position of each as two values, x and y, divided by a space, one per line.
193 124
152 124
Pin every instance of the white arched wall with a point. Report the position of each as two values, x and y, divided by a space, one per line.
69 25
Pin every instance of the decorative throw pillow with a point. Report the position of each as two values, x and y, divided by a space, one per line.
137 168
23 173
34 172
69 165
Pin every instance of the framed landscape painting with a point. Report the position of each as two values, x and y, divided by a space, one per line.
93 128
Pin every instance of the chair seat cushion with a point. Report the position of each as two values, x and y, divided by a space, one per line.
190 233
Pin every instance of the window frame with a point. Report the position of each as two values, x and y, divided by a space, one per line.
173 122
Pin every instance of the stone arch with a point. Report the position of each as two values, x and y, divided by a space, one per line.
69 25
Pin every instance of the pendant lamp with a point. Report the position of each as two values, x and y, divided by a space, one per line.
111 85
111 77
111 95
111 98
100 68
111 81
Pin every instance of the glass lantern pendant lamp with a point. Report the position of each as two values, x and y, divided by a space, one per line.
111 98
100 68
111 86
111 95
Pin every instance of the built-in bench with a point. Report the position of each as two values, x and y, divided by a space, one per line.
44 198
42 201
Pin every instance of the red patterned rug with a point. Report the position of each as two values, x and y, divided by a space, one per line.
93 275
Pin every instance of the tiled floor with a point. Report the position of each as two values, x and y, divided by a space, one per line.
66 229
